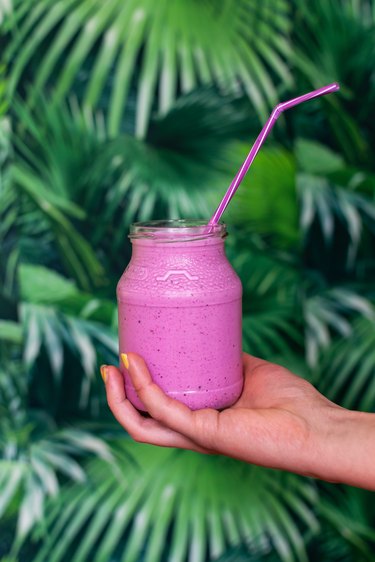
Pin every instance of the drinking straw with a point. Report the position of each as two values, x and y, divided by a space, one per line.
260 140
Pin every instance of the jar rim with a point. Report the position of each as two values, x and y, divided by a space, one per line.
176 230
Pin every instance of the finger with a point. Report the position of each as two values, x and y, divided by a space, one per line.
200 426
142 430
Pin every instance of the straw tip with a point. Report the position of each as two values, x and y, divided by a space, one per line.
335 86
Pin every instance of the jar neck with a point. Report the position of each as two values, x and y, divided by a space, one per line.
149 248
176 231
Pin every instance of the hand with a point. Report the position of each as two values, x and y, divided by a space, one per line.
279 421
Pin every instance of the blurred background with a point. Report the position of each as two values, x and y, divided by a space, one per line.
126 110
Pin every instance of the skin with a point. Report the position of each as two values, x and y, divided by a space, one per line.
280 421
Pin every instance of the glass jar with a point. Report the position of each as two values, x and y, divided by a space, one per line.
179 306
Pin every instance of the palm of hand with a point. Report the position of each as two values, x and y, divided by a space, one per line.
276 414
267 385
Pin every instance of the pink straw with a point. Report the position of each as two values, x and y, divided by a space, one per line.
260 140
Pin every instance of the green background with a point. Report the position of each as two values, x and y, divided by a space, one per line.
128 110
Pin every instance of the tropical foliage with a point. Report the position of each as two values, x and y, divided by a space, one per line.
120 111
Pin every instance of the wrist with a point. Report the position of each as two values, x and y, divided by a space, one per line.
346 448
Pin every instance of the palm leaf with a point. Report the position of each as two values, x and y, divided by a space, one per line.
50 153
323 53
187 497
29 470
327 197
75 251
346 532
5 10
167 176
59 320
125 179
58 336
267 200
174 44
34 455
329 312
10 331
271 309
8 210
42 286
348 367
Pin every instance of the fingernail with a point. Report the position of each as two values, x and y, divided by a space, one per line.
125 360
103 372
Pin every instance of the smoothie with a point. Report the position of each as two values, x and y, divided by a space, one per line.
180 308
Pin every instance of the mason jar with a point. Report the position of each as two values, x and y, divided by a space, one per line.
179 307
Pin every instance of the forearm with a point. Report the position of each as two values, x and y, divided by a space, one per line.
347 450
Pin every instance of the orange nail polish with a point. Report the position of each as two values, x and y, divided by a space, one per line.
103 372
125 360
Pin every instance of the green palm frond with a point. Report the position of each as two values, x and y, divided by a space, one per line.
4 105
203 504
316 158
5 144
346 533
141 182
43 286
28 480
13 389
209 119
66 139
74 174
60 320
162 49
271 310
330 205
8 211
10 332
33 454
327 194
241 554
5 10
75 252
327 313
348 367
168 176
266 202
268 335
324 38
51 154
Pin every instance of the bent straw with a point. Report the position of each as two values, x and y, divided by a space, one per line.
260 140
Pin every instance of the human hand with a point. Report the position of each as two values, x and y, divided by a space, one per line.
279 421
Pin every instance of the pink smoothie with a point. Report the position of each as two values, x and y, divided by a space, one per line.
180 308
